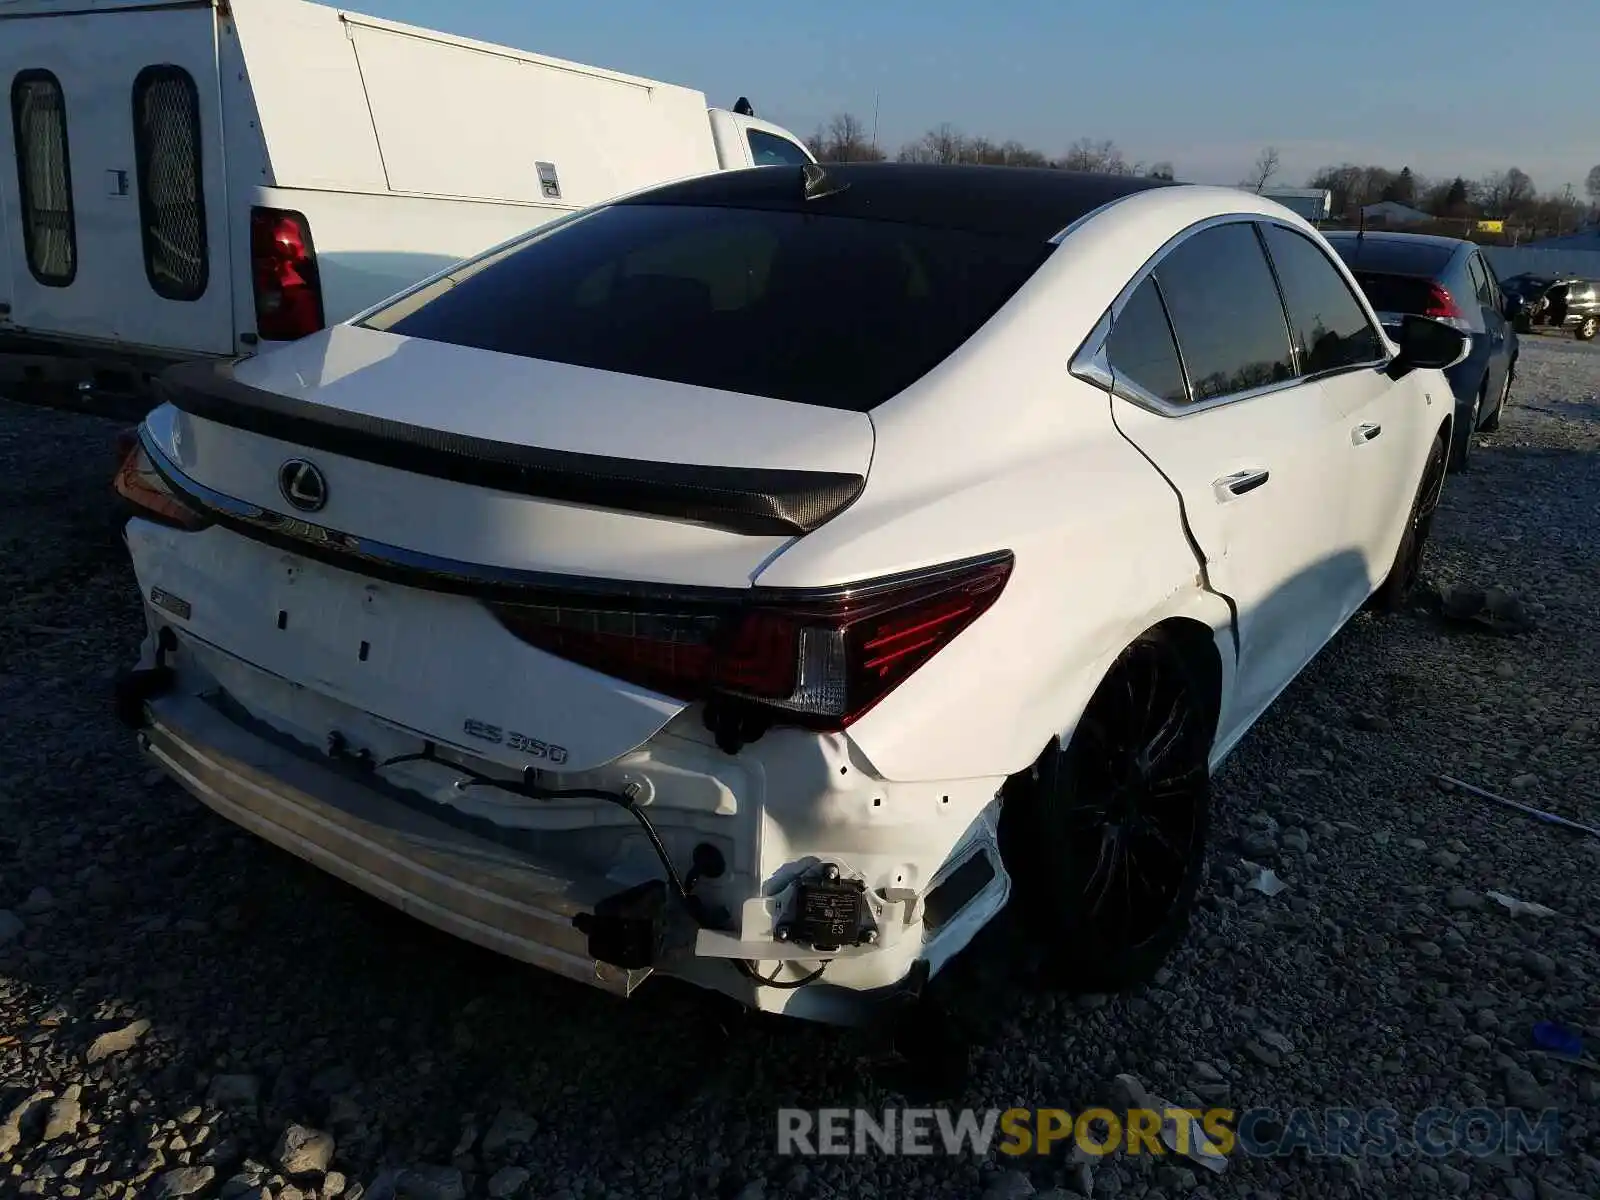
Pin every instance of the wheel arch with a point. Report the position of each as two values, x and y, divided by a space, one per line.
1194 641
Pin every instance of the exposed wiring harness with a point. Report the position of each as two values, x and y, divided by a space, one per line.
681 892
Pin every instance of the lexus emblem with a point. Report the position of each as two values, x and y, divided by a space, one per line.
303 485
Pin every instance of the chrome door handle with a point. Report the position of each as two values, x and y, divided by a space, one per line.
1238 484
1364 433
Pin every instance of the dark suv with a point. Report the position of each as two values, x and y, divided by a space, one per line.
1448 280
1564 302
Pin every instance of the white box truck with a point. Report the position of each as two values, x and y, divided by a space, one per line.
182 178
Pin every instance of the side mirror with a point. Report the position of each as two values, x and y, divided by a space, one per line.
1428 345
1514 306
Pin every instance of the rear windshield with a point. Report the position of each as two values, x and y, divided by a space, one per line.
836 311
1396 293
1394 256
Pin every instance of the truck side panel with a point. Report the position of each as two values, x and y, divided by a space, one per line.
486 120
298 70
133 96
406 149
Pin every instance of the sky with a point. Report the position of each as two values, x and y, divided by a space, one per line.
1456 87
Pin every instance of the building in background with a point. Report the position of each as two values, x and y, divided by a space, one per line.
1314 204
1392 212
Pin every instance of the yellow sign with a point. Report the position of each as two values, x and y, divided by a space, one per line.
1491 226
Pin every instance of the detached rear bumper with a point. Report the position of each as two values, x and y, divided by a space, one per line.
567 887
477 890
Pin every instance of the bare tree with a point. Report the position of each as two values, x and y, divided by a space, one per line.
1591 185
844 139
1015 154
1266 166
945 144
942 144
1519 191
1103 157
1492 194
1159 170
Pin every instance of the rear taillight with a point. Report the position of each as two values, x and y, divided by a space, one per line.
140 485
819 663
1441 305
284 267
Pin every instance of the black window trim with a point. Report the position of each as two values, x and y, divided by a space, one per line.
141 159
38 75
1090 364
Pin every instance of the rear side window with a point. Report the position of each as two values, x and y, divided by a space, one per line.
841 312
172 210
1140 349
770 150
44 177
1329 327
1226 312
1480 281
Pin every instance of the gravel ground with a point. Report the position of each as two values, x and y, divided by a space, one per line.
184 1010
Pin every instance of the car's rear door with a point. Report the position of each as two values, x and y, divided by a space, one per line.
1388 425
1485 297
1251 449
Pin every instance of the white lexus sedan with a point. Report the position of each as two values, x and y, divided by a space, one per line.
763 579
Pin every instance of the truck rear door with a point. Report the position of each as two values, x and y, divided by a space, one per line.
111 175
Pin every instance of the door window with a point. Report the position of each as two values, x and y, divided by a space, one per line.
768 150
44 177
1140 349
172 210
1225 311
1330 328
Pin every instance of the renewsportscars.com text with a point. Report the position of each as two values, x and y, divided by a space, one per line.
1202 1133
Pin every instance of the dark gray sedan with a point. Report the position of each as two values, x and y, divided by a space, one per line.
1451 281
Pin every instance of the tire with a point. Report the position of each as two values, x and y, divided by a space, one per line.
1587 328
1466 430
1108 923
1395 593
1492 421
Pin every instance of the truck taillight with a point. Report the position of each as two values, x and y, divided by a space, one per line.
821 663
140 484
283 262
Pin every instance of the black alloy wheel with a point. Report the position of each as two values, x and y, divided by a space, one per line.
1107 837
1406 570
1491 423
1467 429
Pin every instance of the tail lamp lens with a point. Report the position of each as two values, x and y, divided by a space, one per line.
820 663
138 482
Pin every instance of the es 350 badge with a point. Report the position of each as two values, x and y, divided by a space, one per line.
512 740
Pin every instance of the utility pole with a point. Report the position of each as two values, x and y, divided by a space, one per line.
875 97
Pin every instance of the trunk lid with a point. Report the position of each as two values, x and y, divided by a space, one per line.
444 475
